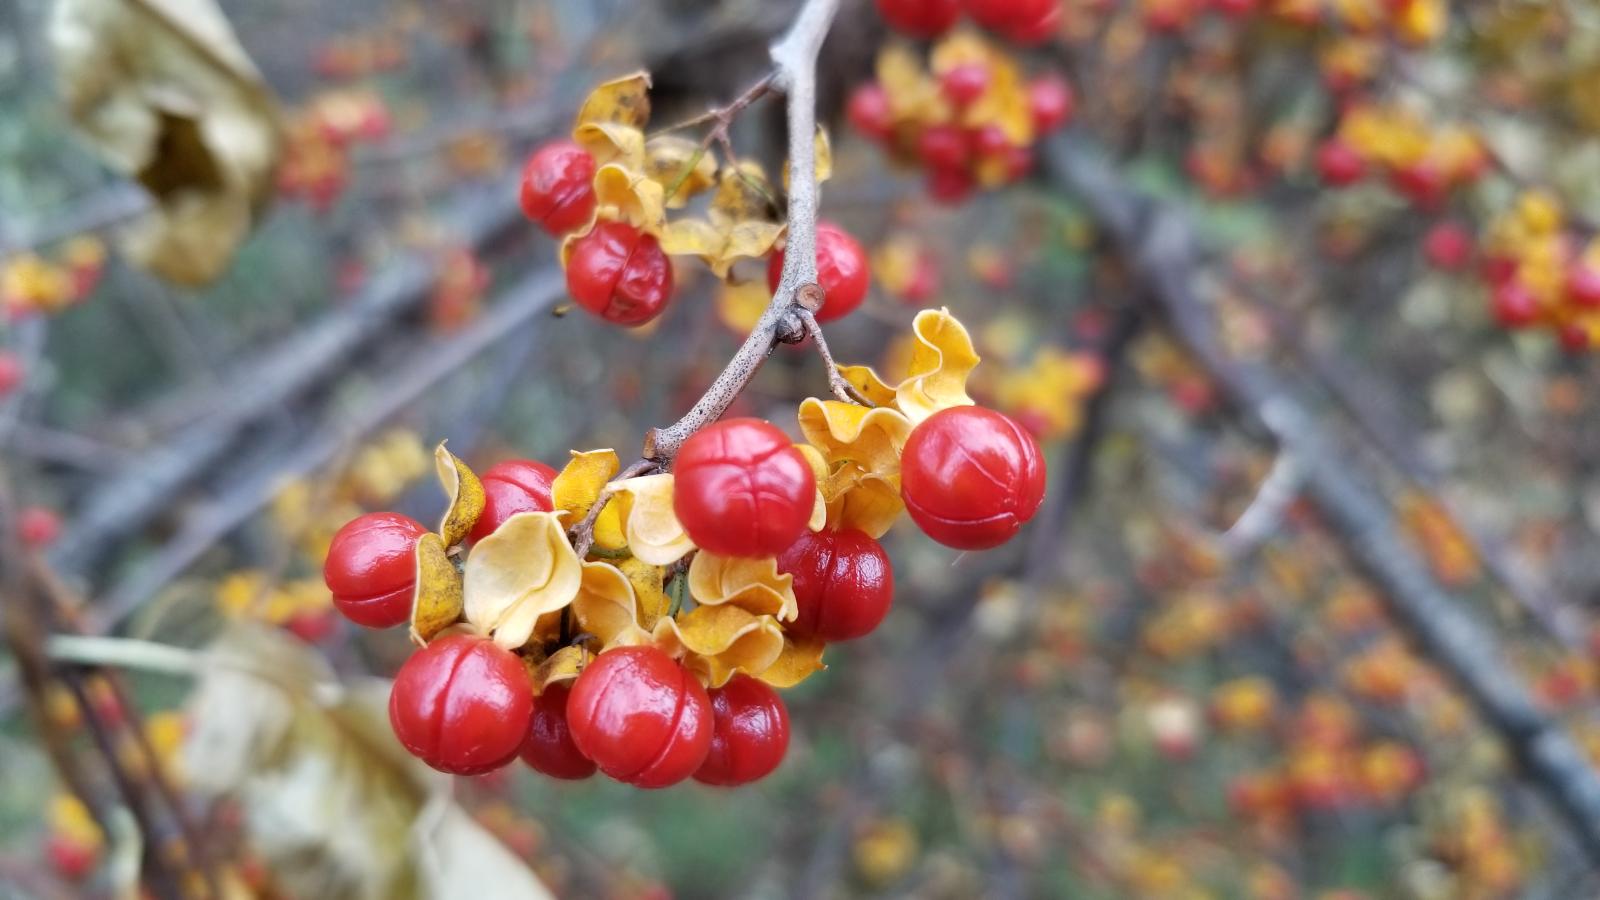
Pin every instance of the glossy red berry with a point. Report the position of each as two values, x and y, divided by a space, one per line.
949 186
964 83
38 526
842 271
462 705
843 584
869 111
749 733
1583 284
1051 101
12 372
1514 306
943 147
371 568
641 716
549 747
920 18
742 489
1338 164
511 487
620 274
1036 31
558 186
971 477
1447 246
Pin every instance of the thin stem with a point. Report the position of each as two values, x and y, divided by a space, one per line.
794 59
842 389
582 534
123 653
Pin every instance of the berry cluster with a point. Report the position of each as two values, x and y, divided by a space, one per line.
637 626
1541 271
606 192
32 285
1420 162
970 120
316 163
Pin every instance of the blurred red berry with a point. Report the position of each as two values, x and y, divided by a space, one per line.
558 186
920 18
372 570
620 274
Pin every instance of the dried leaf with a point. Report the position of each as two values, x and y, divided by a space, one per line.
718 642
869 437
648 590
578 486
797 661
622 101
629 195
436 603
941 360
465 493
607 608
272 729
612 144
521 572
564 665
654 533
679 165
819 471
754 585
166 96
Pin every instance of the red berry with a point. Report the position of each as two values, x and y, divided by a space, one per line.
38 526
11 372
1514 305
990 140
942 147
620 274
749 733
1498 268
311 626
462 705
549 747
1037 31
1002 15
641 717
742 489
1422 182
843 584
1339 164
1018 161
869 111
920 18
1574 338
1447 246
72 859
949 186
970 477
842 271
558 186
1052 102
511 487
964 83
1583 284
371 568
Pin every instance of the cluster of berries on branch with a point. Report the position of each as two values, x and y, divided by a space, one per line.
640 623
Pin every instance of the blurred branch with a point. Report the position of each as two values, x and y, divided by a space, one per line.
1161 246
416 374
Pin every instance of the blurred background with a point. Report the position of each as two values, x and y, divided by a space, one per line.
1309 610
